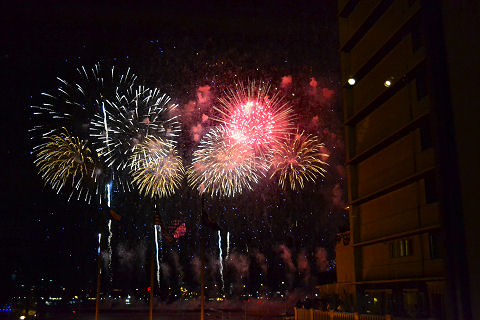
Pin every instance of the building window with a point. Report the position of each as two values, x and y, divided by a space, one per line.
401 248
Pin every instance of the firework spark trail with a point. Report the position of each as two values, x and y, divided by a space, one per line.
158 247
113 115
109 193
221 167
228 245
105 124
82 107
63 158
99 241
297 160
156 168
98 250
220 259
132 118
110 250
253 117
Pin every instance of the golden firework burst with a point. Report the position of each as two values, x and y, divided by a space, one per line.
156 168
297 160
223 167
63 158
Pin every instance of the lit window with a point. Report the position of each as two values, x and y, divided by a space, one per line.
401 248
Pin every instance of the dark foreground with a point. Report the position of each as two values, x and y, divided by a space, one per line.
211 315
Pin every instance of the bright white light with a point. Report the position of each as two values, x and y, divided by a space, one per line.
109 193
158 247
105 125
220 260
22 317
228 245
351 81
99 242
109 240
387 83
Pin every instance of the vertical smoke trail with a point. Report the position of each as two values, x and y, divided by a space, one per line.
99 241
109 193
158 246
110 249
98 251
228 245
220 258
109 200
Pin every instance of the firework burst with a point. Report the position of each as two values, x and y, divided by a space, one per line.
73 106
298 159
106 109
75 102
223 167
121 125
156 168
252 117
63 160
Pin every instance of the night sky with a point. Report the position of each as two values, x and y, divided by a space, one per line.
178 48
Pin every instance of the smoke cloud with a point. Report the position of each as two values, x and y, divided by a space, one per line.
213 265
177 265
196 132
203 94
240 263
327 93
196 267
131 257
165 270
303 266
286 82
261 261
337 196
106 258
321 259
195 112
286 256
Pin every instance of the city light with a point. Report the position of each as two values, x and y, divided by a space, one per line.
351 81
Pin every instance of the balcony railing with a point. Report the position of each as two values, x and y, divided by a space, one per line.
312 314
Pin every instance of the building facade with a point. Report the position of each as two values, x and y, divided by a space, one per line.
405 253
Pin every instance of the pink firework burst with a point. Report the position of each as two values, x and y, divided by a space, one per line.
253 123
255 118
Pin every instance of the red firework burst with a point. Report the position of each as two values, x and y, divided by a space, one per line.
253 117
252 123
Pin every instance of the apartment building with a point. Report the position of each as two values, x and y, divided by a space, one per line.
410 250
